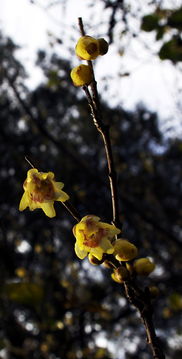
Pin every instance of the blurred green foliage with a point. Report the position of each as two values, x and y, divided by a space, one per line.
164 21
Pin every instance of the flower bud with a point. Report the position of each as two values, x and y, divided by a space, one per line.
93 260
143 266
81 75
120 274
124 250
154 291
129 267
87 48
103 46
108 264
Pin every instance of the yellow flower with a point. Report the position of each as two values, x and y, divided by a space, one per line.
143 266
41 191
94 237
81 75
87 48
124 250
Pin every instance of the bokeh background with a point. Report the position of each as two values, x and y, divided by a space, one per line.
53 305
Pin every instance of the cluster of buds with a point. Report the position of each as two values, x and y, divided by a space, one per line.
125 251
87 48
96 240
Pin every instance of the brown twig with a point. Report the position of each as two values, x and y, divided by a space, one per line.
74 213
135 295
94 103
142 302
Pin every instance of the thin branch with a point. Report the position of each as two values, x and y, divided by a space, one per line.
74 213
94 104
142 302
137 297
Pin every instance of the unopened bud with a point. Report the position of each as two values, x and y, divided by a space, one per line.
81 75
120 274
124 250
143 266
87 48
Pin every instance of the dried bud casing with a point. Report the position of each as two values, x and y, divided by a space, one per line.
103 46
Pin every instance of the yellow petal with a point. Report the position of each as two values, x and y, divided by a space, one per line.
33 205
79 252
51 175
30 173
112 230
97 252
48 208
24 202
79 227
45 175
106 246
90 216
80 237
58 186
90 224
62 196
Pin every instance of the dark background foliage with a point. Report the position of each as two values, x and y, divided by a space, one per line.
52 304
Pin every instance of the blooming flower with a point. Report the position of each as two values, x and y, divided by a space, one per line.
94 237
41 191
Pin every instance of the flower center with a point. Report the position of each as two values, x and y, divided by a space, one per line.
95 239
41 190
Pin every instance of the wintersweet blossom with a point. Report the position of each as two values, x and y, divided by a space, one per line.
94 237
41 190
